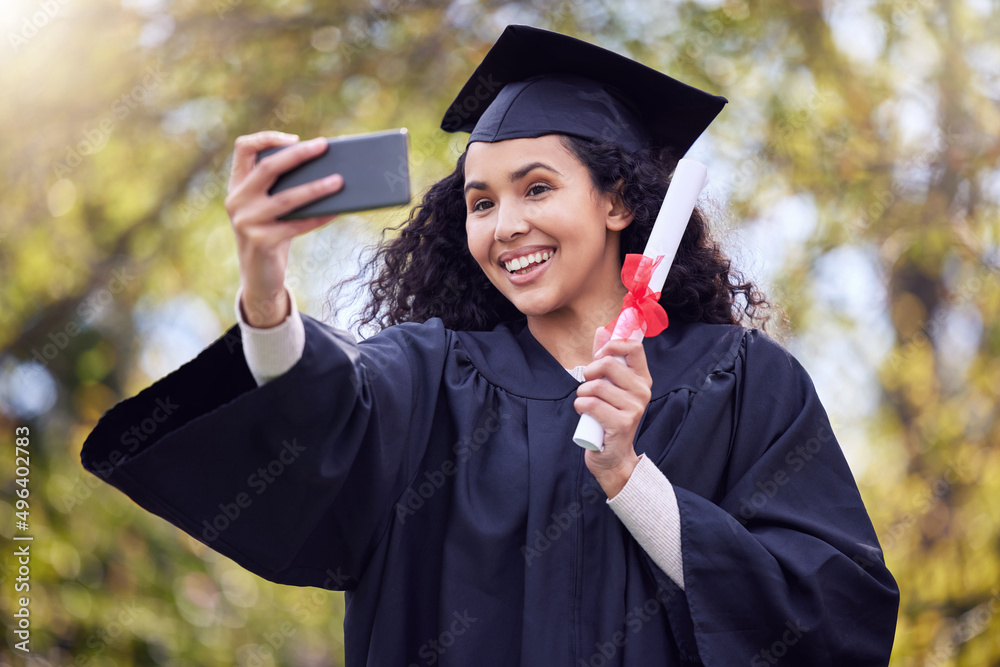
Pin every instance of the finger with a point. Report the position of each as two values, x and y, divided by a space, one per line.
288 200
601 336
628 399
610 418
267 171
632 350
610 371
305 225
604 392
247 147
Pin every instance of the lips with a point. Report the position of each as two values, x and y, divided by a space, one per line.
524 263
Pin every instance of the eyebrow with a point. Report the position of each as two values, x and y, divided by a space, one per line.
514 176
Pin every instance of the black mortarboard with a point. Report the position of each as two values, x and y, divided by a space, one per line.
535 82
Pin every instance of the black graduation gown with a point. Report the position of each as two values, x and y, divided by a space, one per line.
431 474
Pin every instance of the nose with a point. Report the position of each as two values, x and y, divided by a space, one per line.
510 223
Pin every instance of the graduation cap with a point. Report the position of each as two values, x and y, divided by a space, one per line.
535 82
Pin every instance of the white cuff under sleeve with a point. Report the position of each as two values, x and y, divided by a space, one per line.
271 352
647 505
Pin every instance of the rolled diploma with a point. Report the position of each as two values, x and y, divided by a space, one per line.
690 178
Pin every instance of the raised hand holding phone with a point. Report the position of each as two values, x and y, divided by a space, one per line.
262 240
279 189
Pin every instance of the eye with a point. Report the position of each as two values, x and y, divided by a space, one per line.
537 189
481 205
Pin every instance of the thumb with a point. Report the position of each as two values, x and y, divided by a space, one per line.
601 338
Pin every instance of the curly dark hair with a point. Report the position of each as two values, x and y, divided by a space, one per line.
427 270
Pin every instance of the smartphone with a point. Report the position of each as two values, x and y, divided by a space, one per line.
375 170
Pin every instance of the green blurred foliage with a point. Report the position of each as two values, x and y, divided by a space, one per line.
879 120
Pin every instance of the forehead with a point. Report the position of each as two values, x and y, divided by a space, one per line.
484 158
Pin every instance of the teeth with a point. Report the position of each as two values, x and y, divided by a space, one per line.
524 261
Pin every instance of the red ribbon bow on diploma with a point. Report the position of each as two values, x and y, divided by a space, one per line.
641 303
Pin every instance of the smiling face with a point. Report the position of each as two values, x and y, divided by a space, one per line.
540 231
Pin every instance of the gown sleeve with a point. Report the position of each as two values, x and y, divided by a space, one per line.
780 562
294 479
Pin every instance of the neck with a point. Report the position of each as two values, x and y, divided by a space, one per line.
568 333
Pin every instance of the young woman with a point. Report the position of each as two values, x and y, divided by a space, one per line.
429 470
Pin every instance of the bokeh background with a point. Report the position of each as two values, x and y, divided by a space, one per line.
854 174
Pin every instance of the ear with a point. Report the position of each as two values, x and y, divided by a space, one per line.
619 217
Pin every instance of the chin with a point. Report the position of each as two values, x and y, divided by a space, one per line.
532 307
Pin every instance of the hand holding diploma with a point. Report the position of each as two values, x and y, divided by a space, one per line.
645 274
